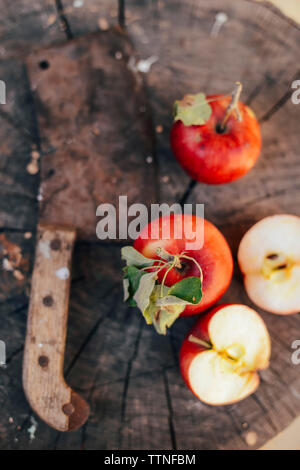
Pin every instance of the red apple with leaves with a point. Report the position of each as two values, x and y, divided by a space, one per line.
216 139
165 279
220 356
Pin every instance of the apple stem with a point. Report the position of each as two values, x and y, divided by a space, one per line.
163 254
173 261
233 105
201 342
165 277
196 263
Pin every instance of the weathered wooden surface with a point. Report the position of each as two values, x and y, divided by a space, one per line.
256 46
129 374
27 24
95 128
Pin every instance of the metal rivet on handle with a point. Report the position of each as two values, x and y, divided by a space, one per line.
68 409
43 361
55 244
44 65
48 301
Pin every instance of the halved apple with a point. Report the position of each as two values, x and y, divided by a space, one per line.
269 258
221 354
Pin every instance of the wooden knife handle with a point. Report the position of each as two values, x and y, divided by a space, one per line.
45 388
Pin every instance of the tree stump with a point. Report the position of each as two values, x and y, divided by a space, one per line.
129 374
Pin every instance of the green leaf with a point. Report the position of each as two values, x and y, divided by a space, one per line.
160 305
162 317
189 289
171 300
132 276
165 318
192 110
144 291
134 257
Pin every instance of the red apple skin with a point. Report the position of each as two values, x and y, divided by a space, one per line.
214 158
214 257
188 349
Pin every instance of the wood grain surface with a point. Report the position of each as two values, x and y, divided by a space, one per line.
27 25
129 374
95 128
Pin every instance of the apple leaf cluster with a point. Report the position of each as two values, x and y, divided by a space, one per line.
159 304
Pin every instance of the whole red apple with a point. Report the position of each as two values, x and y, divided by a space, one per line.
221 354
222 149
214 257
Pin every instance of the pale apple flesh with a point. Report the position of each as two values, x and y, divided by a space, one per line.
269 258
240 345
221 385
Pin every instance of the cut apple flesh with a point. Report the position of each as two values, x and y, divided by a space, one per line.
240 345
213 381
269 257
